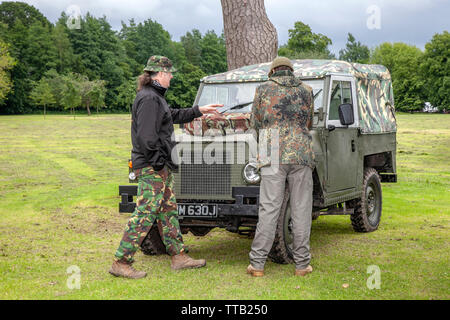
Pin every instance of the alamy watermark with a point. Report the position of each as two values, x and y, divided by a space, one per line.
374 281
74 17
74 280
215 148
374 20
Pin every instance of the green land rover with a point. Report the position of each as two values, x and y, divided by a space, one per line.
354 140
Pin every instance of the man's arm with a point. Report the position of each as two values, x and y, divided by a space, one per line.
185 115
255 117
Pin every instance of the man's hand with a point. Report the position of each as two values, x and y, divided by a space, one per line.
210 108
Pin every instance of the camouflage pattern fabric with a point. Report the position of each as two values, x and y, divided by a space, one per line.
373 84
308 68
286 104
227 123
155 201
159 63
376 105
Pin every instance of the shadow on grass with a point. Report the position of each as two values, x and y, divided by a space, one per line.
222 245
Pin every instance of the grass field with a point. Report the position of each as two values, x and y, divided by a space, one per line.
59 199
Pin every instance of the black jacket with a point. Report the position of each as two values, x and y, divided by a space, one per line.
152 128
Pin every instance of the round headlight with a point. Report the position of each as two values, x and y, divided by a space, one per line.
132 176
251 174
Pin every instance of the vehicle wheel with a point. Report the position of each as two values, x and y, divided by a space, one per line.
200 231
281 251
367 209
152 244
315 215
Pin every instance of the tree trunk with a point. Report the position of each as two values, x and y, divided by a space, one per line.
250 36
87 107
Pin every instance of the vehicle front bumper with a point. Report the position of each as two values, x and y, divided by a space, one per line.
245 204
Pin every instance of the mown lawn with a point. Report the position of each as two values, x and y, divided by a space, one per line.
59 199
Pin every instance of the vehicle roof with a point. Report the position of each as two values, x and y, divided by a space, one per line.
306 68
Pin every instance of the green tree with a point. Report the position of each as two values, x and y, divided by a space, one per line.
71 93
304 44
42 94
354 51
403 62
184 85
12 11
40 54
97 94
207 52
127 93
56 83
100 53
21 23
92 92
16 100
65 58
6 64
213 53
191 42
435 70
146 39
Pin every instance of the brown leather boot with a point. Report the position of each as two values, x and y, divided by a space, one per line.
183 261
123 269
303 272
255 272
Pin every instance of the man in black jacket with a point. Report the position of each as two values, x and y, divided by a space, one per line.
152 139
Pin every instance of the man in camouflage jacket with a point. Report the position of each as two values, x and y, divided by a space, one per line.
152 139
286 105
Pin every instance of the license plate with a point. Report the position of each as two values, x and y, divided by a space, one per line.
197 210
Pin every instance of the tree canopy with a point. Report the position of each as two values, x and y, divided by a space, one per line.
51 65
403 62
304 44
6 64
354 51
435 70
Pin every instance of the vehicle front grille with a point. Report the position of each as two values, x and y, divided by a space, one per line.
204 176
200 178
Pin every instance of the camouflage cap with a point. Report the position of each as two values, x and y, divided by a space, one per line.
159 63
280 61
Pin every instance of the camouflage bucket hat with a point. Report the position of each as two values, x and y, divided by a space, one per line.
159 63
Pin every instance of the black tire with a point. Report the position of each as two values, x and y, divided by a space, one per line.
367 209
200 231
281 251
152 244
315 215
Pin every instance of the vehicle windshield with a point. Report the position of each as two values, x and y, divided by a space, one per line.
241 94
230 95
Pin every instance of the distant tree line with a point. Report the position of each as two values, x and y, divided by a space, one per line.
51 66
417 76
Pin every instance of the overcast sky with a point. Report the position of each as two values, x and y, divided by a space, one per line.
370 21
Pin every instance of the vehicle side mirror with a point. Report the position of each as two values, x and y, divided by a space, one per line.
346 114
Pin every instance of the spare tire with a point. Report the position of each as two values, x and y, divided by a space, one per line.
281 251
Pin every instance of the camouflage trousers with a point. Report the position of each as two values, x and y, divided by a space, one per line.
155 201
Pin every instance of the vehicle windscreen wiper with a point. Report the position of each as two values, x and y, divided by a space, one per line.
315 96
238 106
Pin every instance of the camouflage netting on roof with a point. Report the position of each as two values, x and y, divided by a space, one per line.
373 84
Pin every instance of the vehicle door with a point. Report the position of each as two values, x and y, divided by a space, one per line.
341 142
